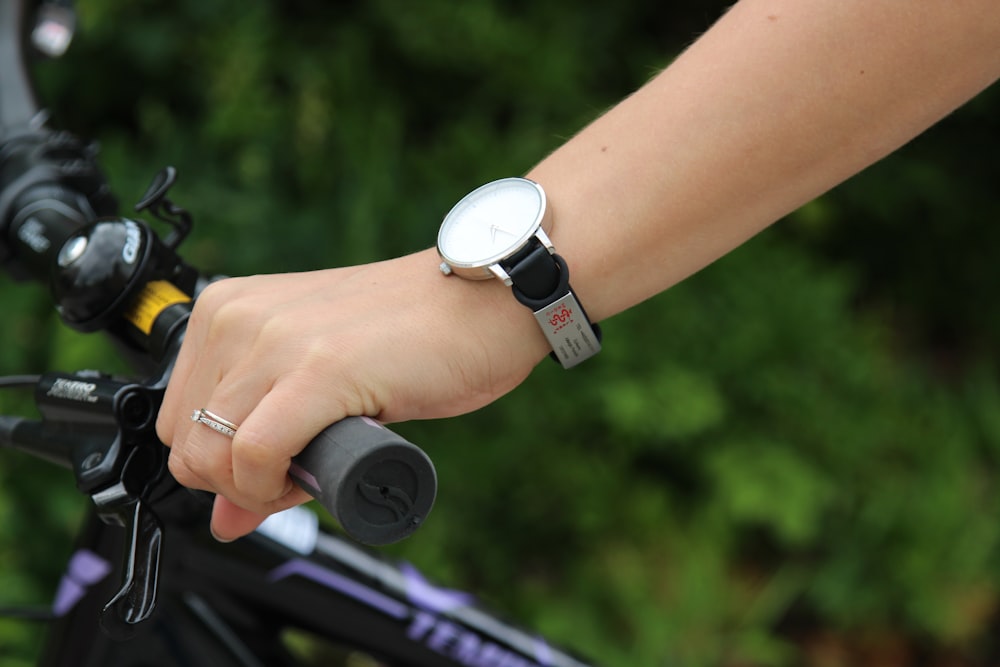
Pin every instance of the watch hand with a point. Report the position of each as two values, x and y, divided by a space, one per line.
493 232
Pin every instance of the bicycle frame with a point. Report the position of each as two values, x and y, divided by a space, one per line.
224 605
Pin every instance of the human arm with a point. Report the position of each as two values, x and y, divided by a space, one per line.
778 102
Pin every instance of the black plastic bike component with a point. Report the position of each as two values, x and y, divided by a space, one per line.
50 186
101 269
379 486
161 207
106 419
136 599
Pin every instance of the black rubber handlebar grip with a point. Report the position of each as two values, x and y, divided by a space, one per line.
378 486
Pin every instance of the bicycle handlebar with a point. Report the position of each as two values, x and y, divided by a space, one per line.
59 225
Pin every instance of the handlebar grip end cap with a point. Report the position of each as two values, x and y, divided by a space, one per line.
378 486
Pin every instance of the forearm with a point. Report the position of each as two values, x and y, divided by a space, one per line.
778 102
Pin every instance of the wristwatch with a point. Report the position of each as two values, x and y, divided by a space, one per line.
497 231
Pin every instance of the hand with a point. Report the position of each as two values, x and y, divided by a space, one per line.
284 356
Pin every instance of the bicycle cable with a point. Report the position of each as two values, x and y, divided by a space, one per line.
28 613
15 381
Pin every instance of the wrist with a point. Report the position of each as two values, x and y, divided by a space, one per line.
484 311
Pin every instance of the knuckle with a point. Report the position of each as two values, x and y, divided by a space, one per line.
276 328
256 470
199 464
164 427
220 305
249 448
218 292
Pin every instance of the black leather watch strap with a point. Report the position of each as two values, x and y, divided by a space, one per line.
536 275
541 279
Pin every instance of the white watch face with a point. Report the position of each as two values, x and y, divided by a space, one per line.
491 222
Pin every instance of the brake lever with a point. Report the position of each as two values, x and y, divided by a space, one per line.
128 503
136 599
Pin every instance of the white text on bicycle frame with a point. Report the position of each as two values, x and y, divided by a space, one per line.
73 390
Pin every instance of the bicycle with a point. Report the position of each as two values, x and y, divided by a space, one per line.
178 597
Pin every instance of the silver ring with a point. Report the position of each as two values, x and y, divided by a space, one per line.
214 422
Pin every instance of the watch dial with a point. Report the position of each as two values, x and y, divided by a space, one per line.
491 222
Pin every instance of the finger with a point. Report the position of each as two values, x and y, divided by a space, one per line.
215 330
202 457
250 467
177 394
278 428
230 521
203 460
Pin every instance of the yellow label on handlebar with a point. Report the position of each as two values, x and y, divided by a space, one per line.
153 299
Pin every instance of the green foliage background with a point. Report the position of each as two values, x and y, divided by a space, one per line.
790 458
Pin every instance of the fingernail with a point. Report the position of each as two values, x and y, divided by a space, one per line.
220 539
